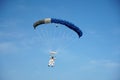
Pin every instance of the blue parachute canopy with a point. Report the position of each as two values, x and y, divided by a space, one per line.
59 21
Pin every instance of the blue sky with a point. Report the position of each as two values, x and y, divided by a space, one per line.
24 52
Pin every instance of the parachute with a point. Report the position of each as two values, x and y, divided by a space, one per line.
59 21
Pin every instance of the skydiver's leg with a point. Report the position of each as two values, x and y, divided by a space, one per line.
49 63
52 64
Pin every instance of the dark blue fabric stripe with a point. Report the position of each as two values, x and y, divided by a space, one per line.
68 24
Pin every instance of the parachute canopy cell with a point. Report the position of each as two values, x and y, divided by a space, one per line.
59 21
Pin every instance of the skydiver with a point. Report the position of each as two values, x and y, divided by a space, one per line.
51 61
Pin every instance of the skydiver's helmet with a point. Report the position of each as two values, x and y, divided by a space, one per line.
52 57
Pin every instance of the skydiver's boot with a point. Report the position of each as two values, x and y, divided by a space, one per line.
48 65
